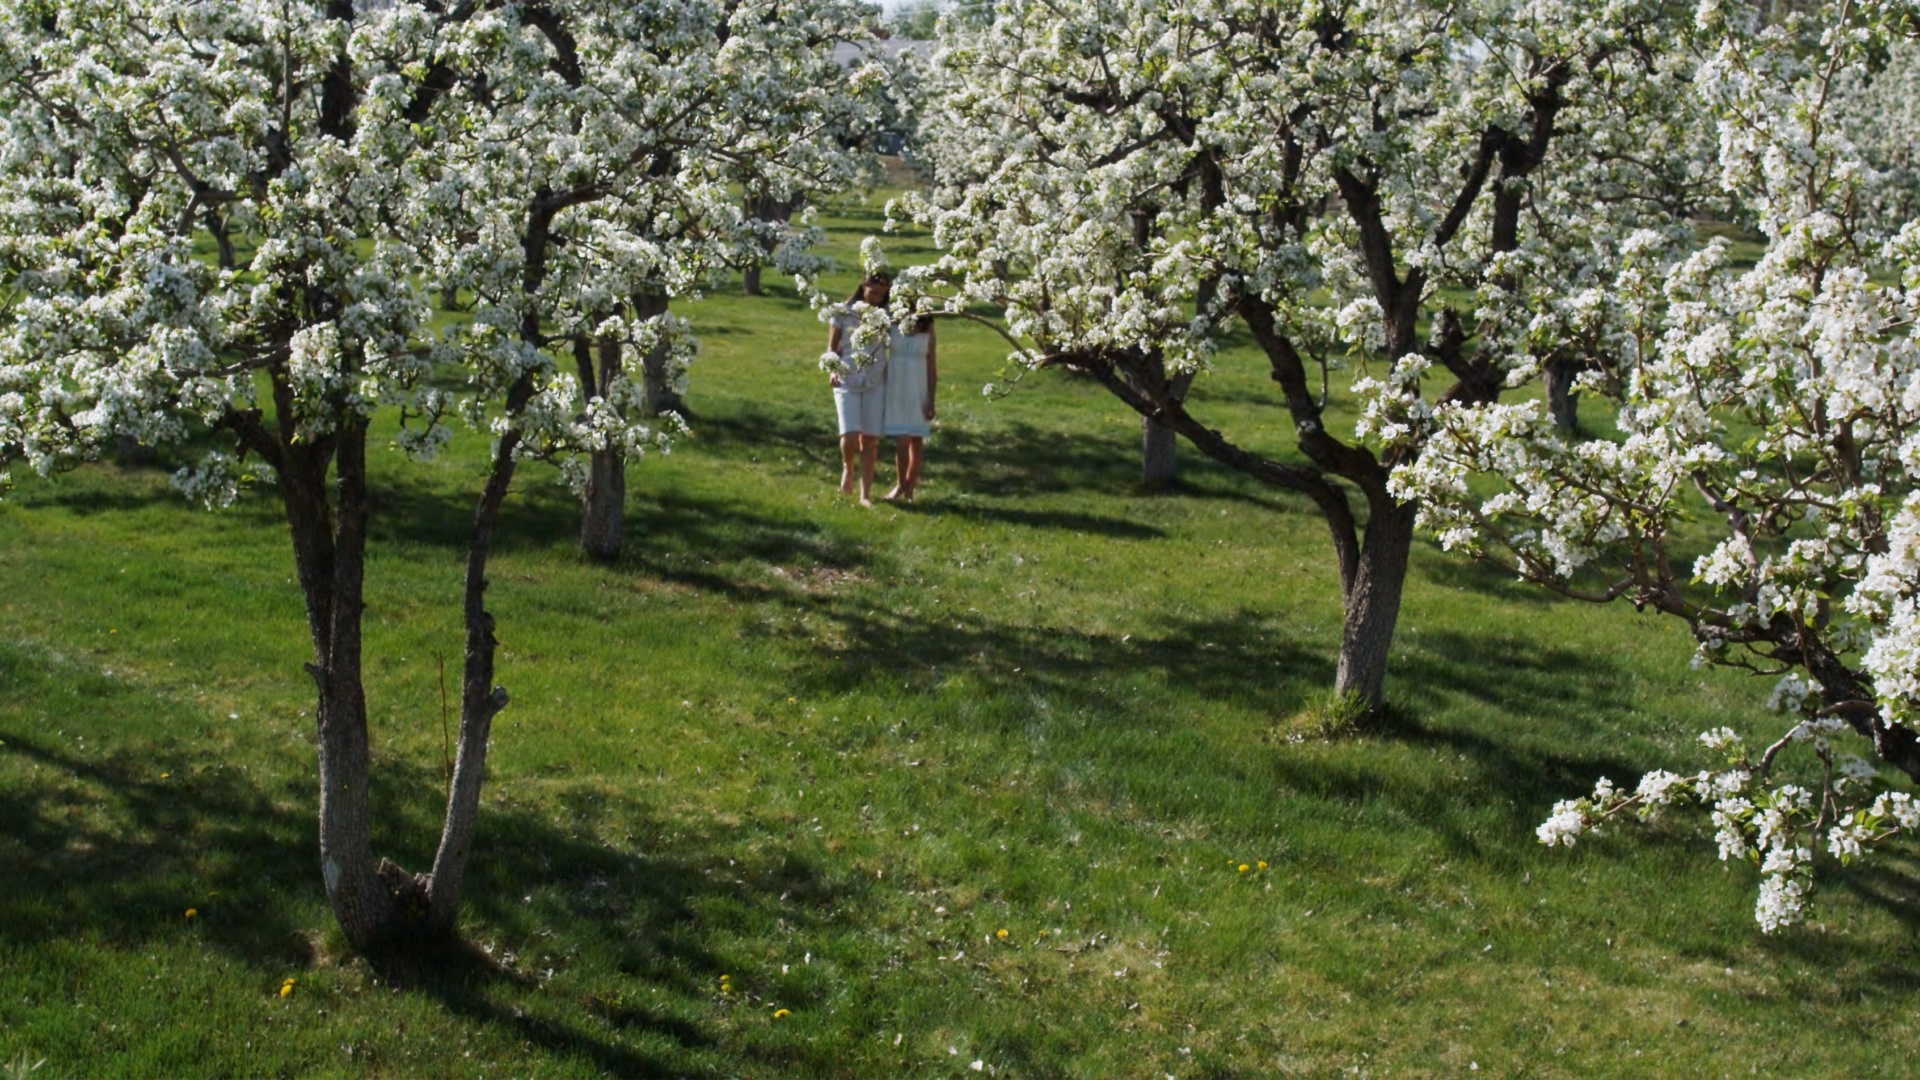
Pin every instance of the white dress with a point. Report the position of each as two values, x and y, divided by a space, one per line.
859 400
906 384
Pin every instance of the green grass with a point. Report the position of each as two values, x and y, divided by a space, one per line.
829 753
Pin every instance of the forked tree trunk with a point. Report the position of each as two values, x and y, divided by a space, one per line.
603 506
379 905
1372 604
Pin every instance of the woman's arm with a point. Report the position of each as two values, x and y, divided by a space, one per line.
933 375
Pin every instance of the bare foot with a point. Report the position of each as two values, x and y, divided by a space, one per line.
865 501
896 493
846 484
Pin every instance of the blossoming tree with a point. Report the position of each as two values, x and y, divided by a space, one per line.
364 152
619 149
1769 417
1132 181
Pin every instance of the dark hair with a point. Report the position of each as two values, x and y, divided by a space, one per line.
920 324
878 277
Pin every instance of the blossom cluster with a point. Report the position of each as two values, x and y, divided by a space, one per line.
1771 825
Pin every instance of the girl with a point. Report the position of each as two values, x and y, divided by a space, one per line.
858 390
912 377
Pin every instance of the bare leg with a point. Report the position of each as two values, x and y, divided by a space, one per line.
869 453
902 478
912 453
849 461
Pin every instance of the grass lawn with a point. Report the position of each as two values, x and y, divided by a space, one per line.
1026 775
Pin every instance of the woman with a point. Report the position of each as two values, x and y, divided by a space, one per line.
912 377
859 388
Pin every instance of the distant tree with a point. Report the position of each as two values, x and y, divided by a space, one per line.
1877 105
917 19
1424 185
368 153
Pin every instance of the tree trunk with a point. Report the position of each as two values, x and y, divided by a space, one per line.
1157 462
768 209
222 237
1159 442
1373 603
330 554
603 509
480 699
1563 402
603 506
132 451
657 395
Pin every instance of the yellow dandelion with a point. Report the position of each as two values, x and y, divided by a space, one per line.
1001 934
287 989
1262 864
792 700
781 1013
1244 868
164 775
193 913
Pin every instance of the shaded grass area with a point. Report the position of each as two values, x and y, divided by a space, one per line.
830 754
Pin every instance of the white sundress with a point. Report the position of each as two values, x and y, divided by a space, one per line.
906 384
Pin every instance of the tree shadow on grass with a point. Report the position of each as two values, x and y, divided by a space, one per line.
1565 697
109 839
1245 657
1022 459
1509 776
749 426
1007 459
411 506
649 911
